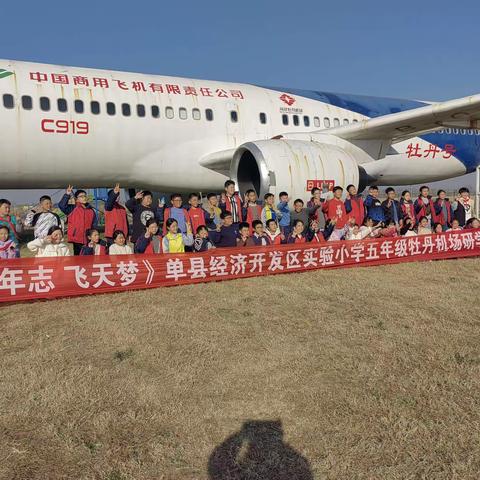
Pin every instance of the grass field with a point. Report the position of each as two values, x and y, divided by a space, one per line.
366 373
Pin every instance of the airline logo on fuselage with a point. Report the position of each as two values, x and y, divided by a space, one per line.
5 73
287 99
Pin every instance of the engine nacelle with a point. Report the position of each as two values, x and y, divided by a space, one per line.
290 165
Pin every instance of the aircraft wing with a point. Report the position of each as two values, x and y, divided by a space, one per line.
393 128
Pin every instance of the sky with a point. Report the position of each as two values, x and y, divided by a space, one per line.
423 50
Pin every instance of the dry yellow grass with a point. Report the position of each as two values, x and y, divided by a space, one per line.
374 373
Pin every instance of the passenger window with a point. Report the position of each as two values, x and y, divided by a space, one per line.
182 113
110 108
62 105
78 105
196 114
316 121
263 118
345 121
285 119
306 121
141 110
355 120
95 107
209 114
8 101
126 112
296 120
44 104
234 116
27 103
336 122
169 112
155 111
326 122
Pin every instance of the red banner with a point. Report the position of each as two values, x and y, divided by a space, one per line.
36 278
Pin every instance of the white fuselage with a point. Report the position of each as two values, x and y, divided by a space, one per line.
50 148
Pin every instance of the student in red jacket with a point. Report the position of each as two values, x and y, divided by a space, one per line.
424 206
354 205
297 235
335 208
81 217
196 214
406 204
115 215
443 212
273 233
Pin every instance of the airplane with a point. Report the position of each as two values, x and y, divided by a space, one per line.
93 128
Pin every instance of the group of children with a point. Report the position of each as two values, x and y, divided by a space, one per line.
228 220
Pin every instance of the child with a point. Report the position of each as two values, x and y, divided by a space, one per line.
174 241
94 245
8 220
314 234
115 215
150 241
455 226
369 229
244 239
212 212
274 234
406 204
251 210
391 207
373 205
354 205
227 233
284 210
424 226
141 208
202 243
338 233
424 205
354 233
196 214
335 208
299 213
297 236
408 228
390 230
259 238
42 218
472 223
81 217
231 202
178 213
438 228
443 210
119 246
314 206
462 206
269 211
50 246
8 248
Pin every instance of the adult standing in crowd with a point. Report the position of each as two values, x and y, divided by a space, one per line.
80 216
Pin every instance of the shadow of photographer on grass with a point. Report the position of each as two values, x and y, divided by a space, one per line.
258 452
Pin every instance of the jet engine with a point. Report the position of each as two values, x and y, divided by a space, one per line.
294 166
